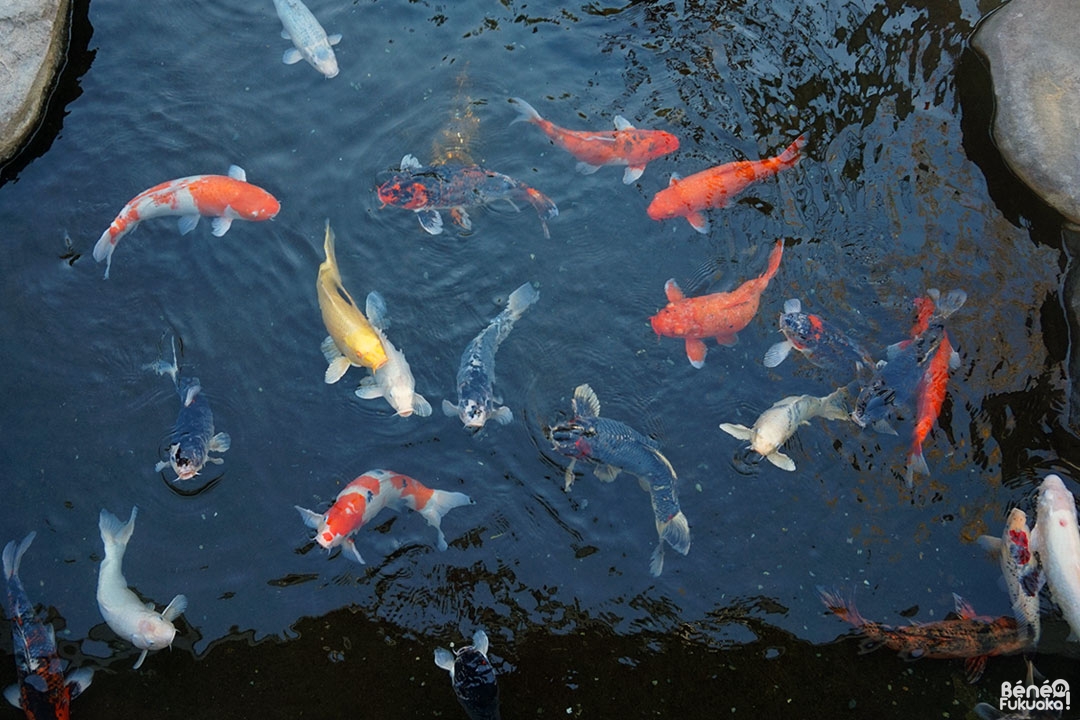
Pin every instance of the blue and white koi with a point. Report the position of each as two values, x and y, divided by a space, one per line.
820 342
776 425
615 446
366 496
42 692
392 380
476 374
127 615
192 438
311 41
472 677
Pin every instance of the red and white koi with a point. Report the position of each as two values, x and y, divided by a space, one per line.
626 145
366 496
223 198
719 315
714 188
1020 569
1056 540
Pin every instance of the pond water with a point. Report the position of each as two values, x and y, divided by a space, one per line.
899 190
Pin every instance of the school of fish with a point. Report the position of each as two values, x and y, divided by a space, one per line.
909 385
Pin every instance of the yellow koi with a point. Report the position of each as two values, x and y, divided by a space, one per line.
352 340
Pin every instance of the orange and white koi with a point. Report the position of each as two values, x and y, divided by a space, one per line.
363 499
626 145
1056 540
223 198
719 315
714 188
1020 569
970 637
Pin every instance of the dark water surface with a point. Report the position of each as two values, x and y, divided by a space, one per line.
899 190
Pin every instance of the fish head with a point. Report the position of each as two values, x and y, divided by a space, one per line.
325 61
403 191
153 633
254 204
473 413
186 462
666 204
801 329
663 143
574 438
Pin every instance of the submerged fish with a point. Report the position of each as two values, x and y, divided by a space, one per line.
614 446
820 342
1056 540
192 438
311 41
626 145
776 425
427 190
394 380
363 499
718 315
352 341
476 374
223 198
472 677
1030 693
42 691
1020 569
715 187
127 615
970 637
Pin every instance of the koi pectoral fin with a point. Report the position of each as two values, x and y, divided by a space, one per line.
695 352
430 220
699 222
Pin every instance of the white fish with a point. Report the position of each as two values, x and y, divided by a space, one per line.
776 425
122 609
311 41
393 380
1056 540
1019 568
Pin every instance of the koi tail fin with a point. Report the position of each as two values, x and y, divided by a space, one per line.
793 153
526 112
545 207
843 609
440 503
676 532
13 555
115 534
161 367
834 405
946 306
774 261
916 465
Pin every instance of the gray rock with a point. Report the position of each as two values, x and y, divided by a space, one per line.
1034 52
34 40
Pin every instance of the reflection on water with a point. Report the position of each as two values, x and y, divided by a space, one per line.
897 193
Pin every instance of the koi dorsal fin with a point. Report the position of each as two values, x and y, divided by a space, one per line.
622 123
964 608
793 305
586 404
237 173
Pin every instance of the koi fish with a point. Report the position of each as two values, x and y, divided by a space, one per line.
1020 569
192 438
986 711
894 382
427 190
223 198
124 612
363 499
476 374
472 677
614 446
1056 540
311 41
719 315
819 341
970 637
394 380
626 145
352 341
776 425
42 691
714 188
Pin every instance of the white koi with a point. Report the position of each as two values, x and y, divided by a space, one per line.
311 41
393 380
1056 540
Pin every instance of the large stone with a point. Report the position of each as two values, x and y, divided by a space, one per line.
1034 54
33 41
